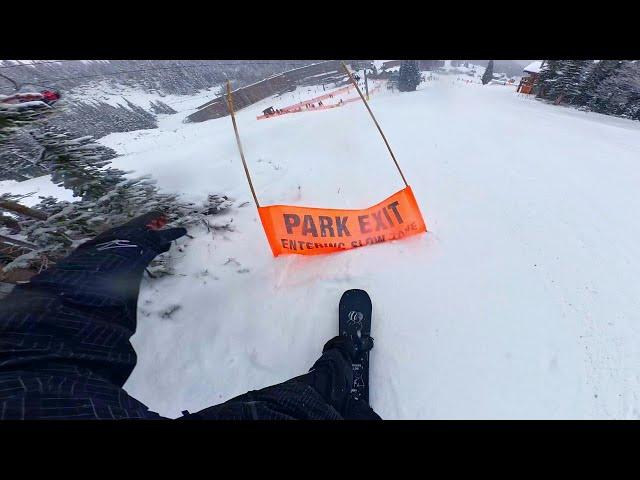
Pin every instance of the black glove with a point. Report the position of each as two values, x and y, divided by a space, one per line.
142 231
107 270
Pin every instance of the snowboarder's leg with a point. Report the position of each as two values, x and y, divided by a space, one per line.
332 377
64 335
323 393
285 401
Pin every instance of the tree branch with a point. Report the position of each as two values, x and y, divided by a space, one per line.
22 210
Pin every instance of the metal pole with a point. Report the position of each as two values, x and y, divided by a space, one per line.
366 104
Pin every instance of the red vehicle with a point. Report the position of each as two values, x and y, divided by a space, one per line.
47 96
50 96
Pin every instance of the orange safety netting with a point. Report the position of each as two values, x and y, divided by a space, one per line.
312 231
324 96
301 106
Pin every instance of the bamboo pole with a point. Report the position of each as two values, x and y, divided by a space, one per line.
235 129
366 104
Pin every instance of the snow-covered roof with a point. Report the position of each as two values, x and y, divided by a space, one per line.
380 63
533 67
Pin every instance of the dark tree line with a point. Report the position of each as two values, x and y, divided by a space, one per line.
611 87
177 77
98 119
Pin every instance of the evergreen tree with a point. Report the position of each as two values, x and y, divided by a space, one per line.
569 81
107 197
619 93
595 98
409 77
18 151
579 93
14 116
592 77
545 84
487 76
20 154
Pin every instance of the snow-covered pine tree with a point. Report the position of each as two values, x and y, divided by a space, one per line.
630 79
93 118
570 79
409 76
598 73
588 79
545 85
18 151
610 91
76 163
107 198
18 158
487 76
619 93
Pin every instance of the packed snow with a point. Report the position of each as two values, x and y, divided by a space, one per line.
520 302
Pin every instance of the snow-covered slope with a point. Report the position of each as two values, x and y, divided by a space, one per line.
116 94
521 302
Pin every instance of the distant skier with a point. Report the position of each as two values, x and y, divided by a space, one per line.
65 351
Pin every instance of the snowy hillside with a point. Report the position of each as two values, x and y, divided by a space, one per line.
116 94
520 302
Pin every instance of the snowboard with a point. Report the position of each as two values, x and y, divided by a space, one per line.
355 321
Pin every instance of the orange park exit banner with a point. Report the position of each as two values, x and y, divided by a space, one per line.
312 231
